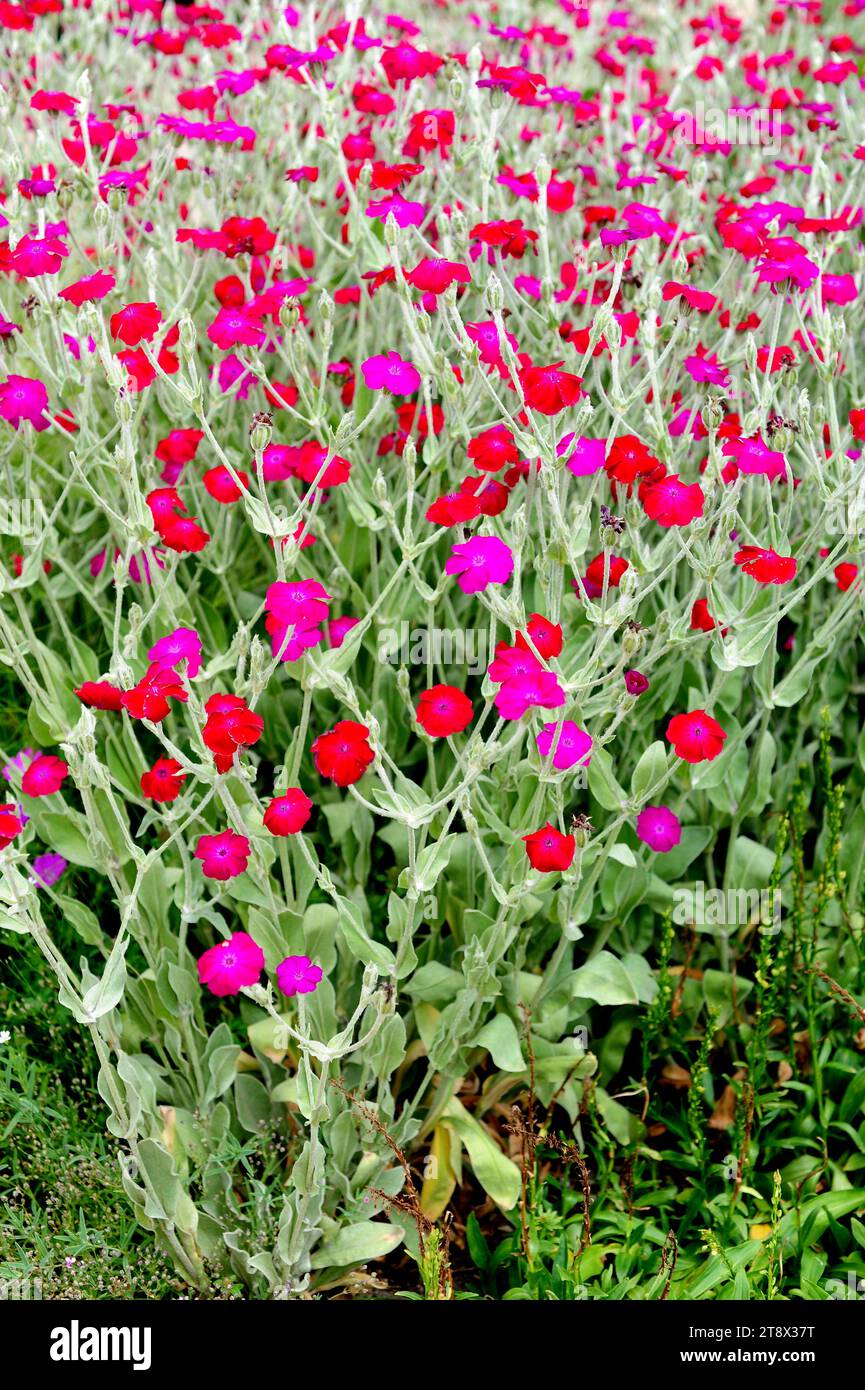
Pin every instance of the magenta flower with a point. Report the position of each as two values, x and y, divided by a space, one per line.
294 614
405 213
19 762
298 975
479 562
753 456
536 689
230 965
707 369
636 683
574 744
48 868
390 372
659 828
183 644
588 455
339 628
233 326
224 855
23 398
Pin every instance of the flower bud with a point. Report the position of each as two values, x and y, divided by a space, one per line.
188 336
712 412
391 231
260 431
581 827
495 295
289 315
632 641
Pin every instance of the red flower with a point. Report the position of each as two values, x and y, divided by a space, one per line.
135 323
444 710
149 698
549 850
701 618
696 737
493 449
11 825
845 574
629 459
546 636
671 502
92 287
221 486
288 813
44 776
164 781
548 390
454 508
593 579
857 424
179 532
176 449
224 855
230 726
766 566
492 497
343 754
435 275
100 695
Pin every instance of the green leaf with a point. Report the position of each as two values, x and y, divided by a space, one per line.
359 943
501 1040
602 784
649 770
82 919
497 1175
751 864
106 994
253 1103
354 1245
608 980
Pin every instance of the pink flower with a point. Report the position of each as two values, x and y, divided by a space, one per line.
587 457
659 828
230 965
294 614
233 326
390 372
183 644
339 628
24 398
48 868
44 776
19 762
298 975
753 456
479 562
538 688
405 214
574 745
224 855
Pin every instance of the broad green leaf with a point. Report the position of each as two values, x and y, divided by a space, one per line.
608 980
497 1175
